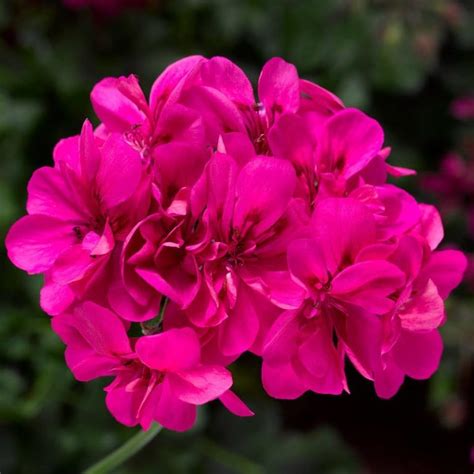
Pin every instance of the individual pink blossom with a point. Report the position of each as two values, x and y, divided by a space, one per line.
453 183
157 378
341 293
463 108
169 136
79 212
411 344
342 154
122 107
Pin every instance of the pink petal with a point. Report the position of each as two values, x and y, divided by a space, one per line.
124 305
398 171
408 256
176 275
307 263
106 242
66 152
170 351
225 76
101 328
446 268
130 88
222 175
401 211
418 354
219 114
55 298
278 87
72 265
264 188
238 332
119 172
368 284
333 214
388 381
361 334
173 413
90 240
238 146
281 342
89 154
200 385
177 165
117 111
318 100
119 298
50 193
205 311
35 242
178 123
349 141
268 275
124 403
424 311
290 139
281 381
430 225
95 339
321 359
267 313
234 404
169 79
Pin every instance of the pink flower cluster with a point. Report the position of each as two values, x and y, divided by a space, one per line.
453 183
213 222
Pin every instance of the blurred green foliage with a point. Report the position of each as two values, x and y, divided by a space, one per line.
401 60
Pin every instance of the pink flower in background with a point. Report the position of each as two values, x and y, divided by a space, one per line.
105 7
463 108
453 183
211 221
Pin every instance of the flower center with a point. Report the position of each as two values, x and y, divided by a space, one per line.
138 141
257 124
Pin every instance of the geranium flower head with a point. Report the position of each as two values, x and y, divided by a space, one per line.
209 220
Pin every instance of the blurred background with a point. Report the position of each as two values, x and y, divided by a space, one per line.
409 63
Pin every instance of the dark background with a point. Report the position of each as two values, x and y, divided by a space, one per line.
404 62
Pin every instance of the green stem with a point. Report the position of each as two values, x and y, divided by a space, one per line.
154 325
124 452
163 309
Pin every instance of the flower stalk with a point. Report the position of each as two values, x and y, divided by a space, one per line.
124 452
